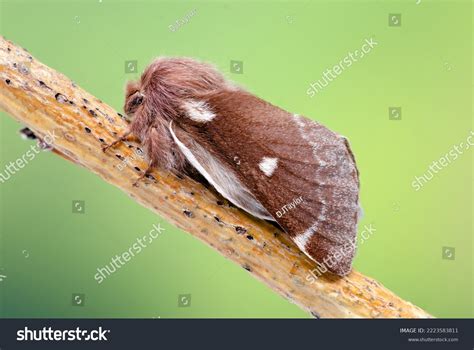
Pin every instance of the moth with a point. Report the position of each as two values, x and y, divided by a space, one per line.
273 164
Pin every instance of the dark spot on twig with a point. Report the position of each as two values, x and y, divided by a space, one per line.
139 150
85 100
87 130
250 237
149 176
8 49
275 234
120 115
217 219
188 213
240 230
315 315
191 193
92 113
8 81
114 133
101 140
28 134
179 176
137 169
14 64
71 102
43 84
220 203
60 98
130 146
119 156
246 267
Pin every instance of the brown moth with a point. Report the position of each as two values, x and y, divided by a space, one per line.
273 164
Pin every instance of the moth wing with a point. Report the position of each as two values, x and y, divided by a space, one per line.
218 174
293 170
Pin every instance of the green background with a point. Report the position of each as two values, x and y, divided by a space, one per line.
423 66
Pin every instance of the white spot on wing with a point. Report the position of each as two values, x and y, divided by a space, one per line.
268 165
198 111
302 239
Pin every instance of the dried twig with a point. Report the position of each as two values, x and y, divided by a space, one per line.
47 101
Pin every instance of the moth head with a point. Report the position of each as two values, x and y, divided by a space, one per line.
166 84
134 98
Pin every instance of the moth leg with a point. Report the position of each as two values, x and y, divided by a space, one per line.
145 174
122 138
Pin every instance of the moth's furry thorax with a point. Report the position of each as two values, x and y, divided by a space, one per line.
157 98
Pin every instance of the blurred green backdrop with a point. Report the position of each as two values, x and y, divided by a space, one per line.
423 245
